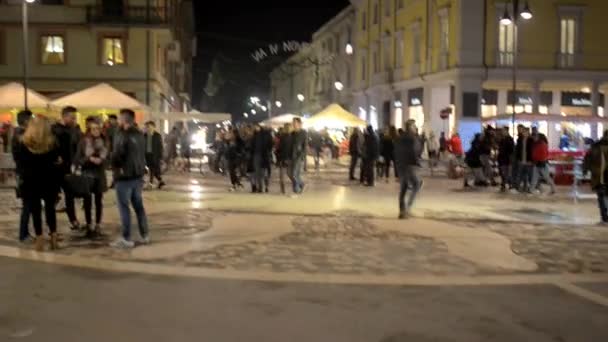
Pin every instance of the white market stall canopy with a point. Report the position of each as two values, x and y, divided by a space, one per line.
12 96
280 120
193 115
101 96
334 117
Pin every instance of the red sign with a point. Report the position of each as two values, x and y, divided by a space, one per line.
445 113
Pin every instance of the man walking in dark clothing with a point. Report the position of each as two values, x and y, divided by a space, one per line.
407 150
154 153
284 154
354 149
371 150
262 155
67 136
23 118
506 147
128 165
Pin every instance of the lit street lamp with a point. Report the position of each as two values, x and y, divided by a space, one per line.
339 86
24 20
301 98
253 112
349 49
278 104
507 20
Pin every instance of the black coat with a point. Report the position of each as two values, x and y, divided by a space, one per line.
40 174
67 141
299 142
157 146
387 149
262 147
353 145
15 146
406 150
285 148
128 156
506 147
519 150
371 146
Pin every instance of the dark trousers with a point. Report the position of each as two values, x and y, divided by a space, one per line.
24 220
354 158
34 203
368 171
602 201
386 170
88 206
233 166
153 167
260 173
70 208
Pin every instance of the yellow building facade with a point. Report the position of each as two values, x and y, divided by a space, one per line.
417 58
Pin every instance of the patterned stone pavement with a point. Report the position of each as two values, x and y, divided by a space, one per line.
344 230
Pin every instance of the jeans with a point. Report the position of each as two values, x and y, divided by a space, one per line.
602 200
129 192
296 175
354 158
486 163
408 179
525 176
317 157
35 206
542 170
24 220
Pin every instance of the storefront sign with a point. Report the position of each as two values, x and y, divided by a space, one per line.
415 96
576 99
522 98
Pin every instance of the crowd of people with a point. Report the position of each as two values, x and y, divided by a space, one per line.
57 158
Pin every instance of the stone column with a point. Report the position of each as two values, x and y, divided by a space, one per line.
595 98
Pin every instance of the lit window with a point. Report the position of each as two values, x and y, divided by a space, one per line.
506 44
567 41
113 51
52 50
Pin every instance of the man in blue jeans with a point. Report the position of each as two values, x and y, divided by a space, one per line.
128 165
298 157
407 150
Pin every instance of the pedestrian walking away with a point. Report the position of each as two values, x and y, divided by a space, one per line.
154 153
407 151
128 165
298 155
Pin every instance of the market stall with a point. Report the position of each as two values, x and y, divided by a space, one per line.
334 117
280 120
102 100
12 101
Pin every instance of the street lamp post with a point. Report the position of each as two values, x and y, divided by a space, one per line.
506 20
24 21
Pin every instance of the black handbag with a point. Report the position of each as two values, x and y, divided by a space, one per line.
78 185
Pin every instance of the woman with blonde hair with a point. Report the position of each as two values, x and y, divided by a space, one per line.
39 158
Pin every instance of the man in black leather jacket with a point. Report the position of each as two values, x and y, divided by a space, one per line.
128 165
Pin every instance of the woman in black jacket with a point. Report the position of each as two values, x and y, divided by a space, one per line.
91 158
39 158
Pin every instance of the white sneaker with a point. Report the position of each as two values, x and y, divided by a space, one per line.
121 243
145 240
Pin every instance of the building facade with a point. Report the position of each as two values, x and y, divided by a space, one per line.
141 47
417 58
321 72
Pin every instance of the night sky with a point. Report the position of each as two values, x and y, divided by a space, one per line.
231 31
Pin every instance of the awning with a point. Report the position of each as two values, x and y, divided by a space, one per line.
193 115
280 120
334 116
12 96
101 96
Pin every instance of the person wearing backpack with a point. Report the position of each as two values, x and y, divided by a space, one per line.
596 161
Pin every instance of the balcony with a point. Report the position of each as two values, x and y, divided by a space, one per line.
504 58
568 60
128 15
